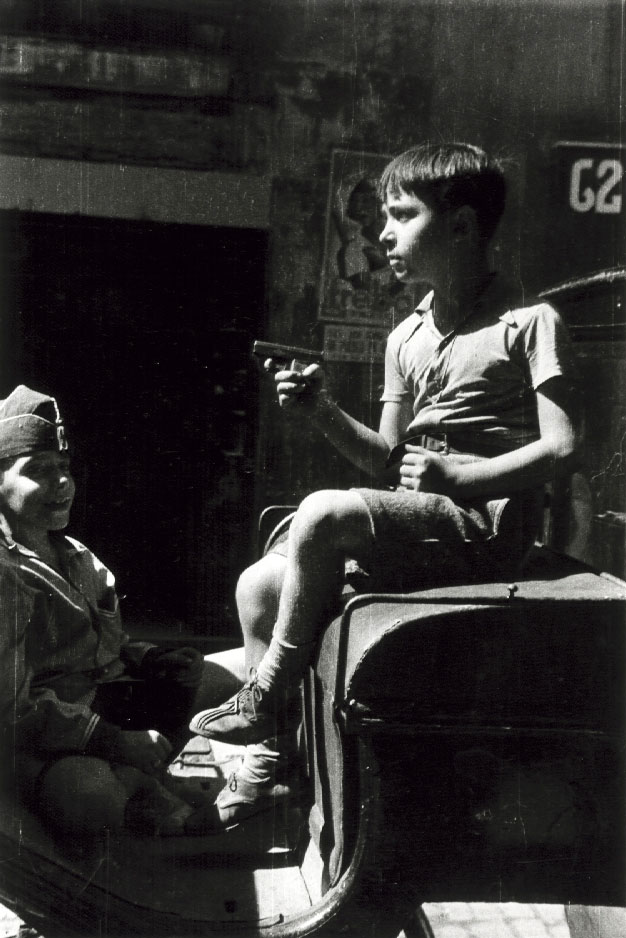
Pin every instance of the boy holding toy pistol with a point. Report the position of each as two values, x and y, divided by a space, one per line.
478 414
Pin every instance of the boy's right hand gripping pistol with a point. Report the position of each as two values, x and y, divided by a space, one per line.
287 356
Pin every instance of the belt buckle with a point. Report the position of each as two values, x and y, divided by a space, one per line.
435 445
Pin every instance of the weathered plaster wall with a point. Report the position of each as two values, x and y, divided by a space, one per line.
374 76
346 78
306 76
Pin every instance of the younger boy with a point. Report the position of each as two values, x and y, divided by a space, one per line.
478 382
88 718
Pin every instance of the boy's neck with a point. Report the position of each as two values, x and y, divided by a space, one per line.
44 545
33 539
455 299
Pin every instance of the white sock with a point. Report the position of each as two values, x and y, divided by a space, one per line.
283 664
262 760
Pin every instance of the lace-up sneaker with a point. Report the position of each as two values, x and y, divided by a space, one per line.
250 716
239 800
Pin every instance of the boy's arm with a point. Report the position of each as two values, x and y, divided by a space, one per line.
35 718
554 455
365 448
303 394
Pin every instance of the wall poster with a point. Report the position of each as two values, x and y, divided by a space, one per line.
358 288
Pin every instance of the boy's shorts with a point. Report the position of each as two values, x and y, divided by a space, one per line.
422 540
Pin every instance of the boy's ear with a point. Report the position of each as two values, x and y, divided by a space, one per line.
464 223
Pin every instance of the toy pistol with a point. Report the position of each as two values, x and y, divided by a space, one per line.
287 355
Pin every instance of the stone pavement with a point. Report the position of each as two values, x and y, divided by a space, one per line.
449 920
496 920
9 923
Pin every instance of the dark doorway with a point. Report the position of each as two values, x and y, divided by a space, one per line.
143 332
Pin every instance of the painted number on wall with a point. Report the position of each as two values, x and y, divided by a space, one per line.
595 186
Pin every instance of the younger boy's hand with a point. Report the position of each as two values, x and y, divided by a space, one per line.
182 665
425 471
298 391
146 750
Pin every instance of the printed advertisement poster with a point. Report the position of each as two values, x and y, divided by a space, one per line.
354 344
358 286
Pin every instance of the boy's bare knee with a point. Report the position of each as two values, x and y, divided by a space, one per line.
317 514
334 518
262 581
257 596
80 794
253 581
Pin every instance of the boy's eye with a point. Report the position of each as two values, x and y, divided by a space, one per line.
36 472
403 214
36 465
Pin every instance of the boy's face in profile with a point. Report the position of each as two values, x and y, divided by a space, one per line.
416 238
37 491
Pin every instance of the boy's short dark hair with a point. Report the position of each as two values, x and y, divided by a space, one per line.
450 175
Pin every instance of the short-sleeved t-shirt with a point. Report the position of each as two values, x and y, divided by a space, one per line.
481 377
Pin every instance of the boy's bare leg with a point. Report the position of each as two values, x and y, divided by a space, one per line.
258 592
258 596
282 605
328 526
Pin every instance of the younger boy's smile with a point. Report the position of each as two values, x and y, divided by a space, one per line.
63 505
37 492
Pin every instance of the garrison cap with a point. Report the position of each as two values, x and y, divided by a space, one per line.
30 422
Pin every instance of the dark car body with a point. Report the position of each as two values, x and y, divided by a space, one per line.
459 743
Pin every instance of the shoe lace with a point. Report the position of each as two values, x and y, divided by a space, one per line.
232 781
250 692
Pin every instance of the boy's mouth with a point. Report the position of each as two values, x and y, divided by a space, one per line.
60 505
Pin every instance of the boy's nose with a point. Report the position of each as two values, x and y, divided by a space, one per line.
63 480
385 234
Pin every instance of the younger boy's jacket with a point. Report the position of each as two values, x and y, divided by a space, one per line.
60 636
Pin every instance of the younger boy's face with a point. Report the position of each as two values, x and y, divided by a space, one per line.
37 491
416 238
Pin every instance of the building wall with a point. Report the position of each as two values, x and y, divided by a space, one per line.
514 77
271 91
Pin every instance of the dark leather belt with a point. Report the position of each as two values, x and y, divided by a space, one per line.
468 443
445 443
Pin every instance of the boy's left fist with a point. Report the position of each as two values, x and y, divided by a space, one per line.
424 471
183 666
